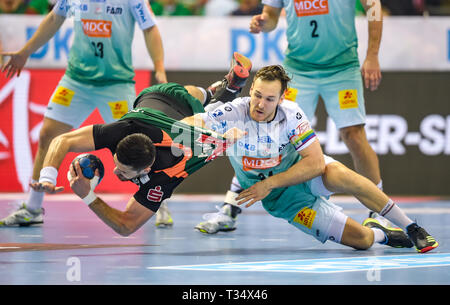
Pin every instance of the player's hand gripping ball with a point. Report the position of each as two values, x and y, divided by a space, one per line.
89 163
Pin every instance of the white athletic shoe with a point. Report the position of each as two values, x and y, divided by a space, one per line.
383 221
219 221
23 217
163 216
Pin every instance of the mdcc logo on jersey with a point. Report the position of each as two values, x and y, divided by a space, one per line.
250 163
310 7
97 28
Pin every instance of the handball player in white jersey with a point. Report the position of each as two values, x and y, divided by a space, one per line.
279 161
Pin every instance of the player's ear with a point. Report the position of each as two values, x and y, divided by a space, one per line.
281 98
146 170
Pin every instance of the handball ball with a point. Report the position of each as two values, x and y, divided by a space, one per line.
89 163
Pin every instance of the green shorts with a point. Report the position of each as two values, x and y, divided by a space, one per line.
342 93
170 98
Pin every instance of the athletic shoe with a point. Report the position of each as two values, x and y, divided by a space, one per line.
23 218
423 241
229 88
383 221
395 237
163 216
219 221
239 71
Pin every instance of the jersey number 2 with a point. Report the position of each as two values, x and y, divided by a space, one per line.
313 23
98 49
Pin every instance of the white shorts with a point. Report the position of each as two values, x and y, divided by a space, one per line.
73 102
326 221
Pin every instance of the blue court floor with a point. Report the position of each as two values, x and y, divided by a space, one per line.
74 247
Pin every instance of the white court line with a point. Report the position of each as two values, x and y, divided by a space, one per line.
325 265
76 236
173 238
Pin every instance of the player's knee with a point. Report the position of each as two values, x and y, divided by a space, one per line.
335 168
47 134
357 236
364 240
353 134
336 176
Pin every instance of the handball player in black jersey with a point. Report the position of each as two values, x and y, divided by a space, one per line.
144 149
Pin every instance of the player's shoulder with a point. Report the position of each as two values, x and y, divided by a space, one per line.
236 107
240 102
291 109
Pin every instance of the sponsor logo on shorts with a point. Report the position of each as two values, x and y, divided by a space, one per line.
97 28
118 109
63 96
310 7
250 163
305 217
290 94
348 99
155 194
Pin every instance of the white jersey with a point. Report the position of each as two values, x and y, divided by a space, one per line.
269 147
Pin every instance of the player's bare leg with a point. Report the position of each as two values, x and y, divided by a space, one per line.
31 212
364 157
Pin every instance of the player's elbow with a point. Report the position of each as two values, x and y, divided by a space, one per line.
125 230
126 227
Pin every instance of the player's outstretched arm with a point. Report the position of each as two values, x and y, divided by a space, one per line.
80 140
125 222
155 48
310 166
266 21
370 69
122 222
48 27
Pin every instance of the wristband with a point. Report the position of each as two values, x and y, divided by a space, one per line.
48 174
230 198
90 197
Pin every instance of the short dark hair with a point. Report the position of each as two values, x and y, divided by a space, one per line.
274 72
136 150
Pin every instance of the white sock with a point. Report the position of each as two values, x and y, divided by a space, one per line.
380 185
205 95
395 215
35 200
378 236
235 185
